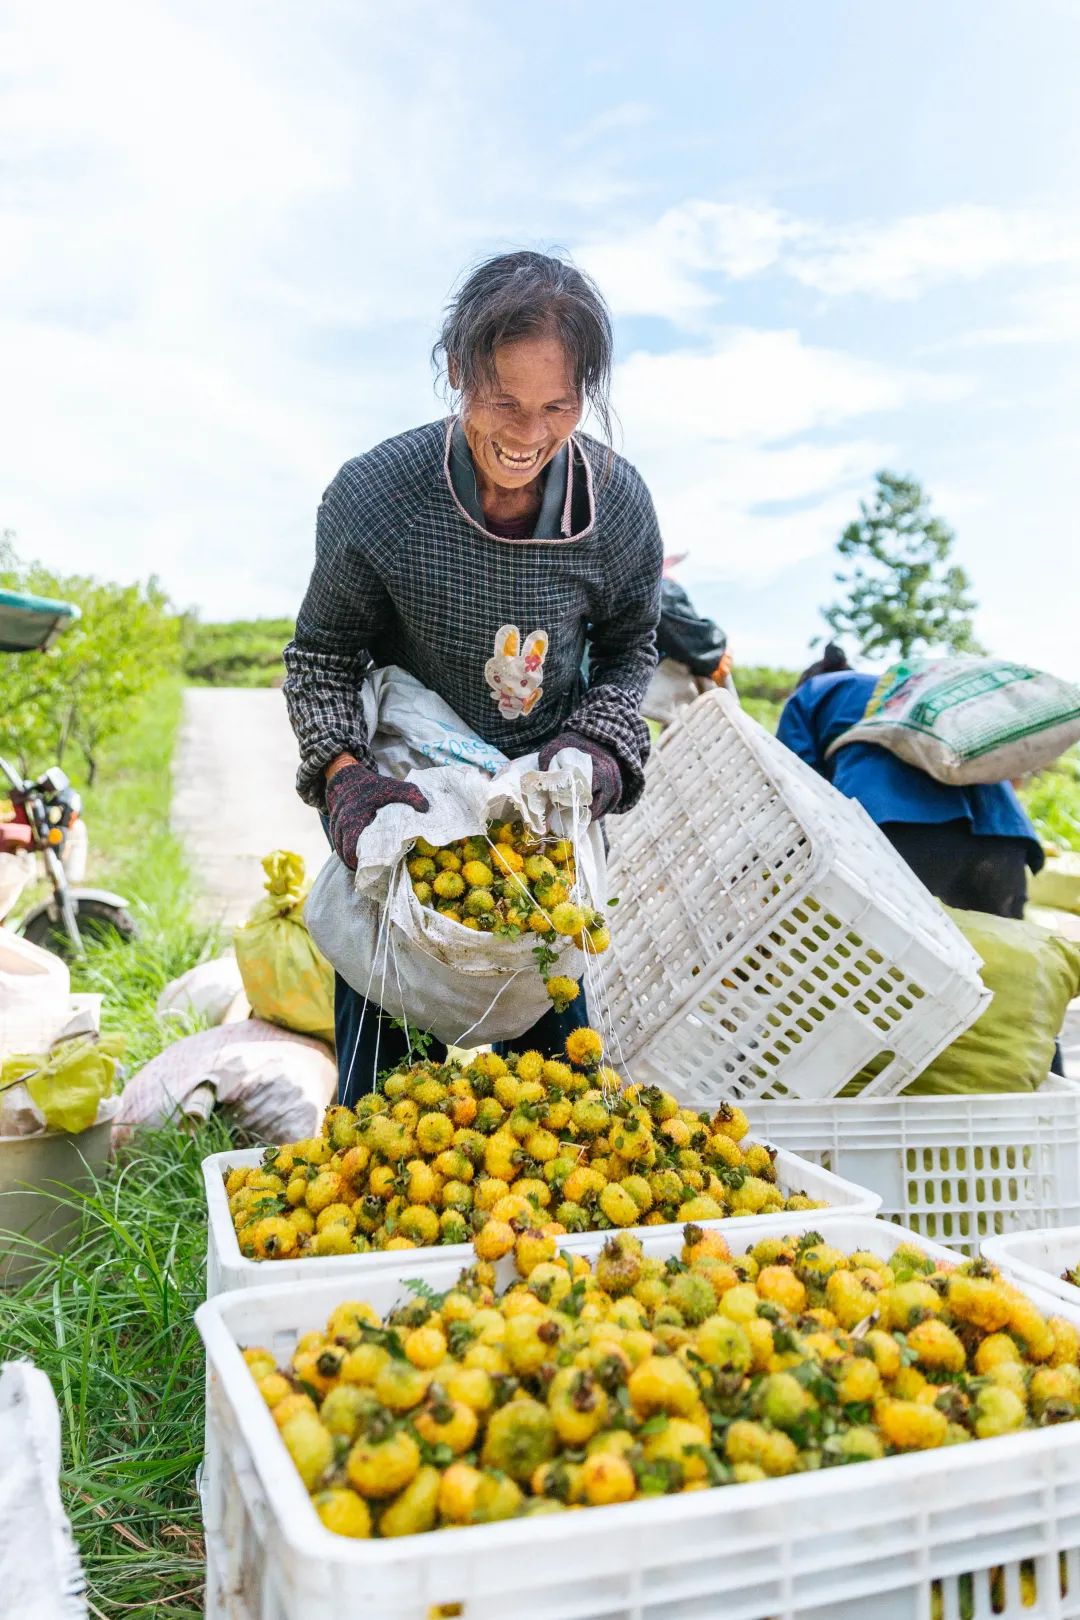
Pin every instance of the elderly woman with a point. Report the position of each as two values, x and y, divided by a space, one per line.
486 554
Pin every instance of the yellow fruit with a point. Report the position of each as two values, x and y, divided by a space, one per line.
415 1510
478 875
472 1387
336 1239
607 1478
343 1512
494 1239
937 1347
457 1493
381 1468
401 1386
274 1389
273 1238
584 1048
309 1444
780 1285
662 1384
681 1442
567 918
425 1347
447 1423
291 1405
328 1187
911 1426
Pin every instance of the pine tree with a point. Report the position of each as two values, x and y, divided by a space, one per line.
903 594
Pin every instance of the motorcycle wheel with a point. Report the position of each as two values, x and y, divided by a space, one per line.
96 921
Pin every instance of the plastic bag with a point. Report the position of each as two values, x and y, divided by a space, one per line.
286 979
969 720
205 991
41 1577
275 1084
465 987
68 1084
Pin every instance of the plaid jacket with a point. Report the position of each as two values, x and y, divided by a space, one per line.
498 628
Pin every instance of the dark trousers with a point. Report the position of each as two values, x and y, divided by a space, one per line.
369 1042
964 869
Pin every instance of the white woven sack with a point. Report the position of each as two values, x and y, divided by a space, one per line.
411 727
273 1082
969 720
41 1577
204 992
458 983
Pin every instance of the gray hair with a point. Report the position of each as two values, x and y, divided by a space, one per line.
518 295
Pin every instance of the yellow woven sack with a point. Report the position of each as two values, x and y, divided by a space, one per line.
1034 975
286 978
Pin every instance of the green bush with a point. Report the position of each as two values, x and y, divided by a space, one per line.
763 691
75 698
242 652
1052 800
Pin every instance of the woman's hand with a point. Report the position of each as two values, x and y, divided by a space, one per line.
607 780
354 796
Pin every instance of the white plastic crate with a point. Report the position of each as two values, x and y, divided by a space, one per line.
769 940
955 1169
227 1268
1037 1259
942 1532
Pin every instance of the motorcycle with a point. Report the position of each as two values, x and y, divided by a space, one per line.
44 825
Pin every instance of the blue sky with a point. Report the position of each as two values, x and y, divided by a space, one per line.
835 237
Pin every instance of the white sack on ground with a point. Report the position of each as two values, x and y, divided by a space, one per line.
41 1577
272 1082
205 991
464 986
35 995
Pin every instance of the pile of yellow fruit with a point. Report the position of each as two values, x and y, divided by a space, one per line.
450 1152
641 1376
512 883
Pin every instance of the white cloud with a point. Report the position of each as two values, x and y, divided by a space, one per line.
902 258
758 385
657 269
709 429
1040 315
212 229
674 265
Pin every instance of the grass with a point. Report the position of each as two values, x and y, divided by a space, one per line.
110 1320
110 1324
134 851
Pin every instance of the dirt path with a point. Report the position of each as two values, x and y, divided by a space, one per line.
234 798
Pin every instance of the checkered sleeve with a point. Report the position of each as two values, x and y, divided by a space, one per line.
622 652
345 609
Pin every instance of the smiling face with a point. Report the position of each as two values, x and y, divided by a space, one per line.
515 428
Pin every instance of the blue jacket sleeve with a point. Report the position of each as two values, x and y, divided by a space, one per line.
798 732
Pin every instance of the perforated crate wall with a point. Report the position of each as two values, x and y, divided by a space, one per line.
768 938
957 1170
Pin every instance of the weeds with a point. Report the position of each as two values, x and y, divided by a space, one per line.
110 1323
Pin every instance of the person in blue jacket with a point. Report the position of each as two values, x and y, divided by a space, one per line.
970 846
